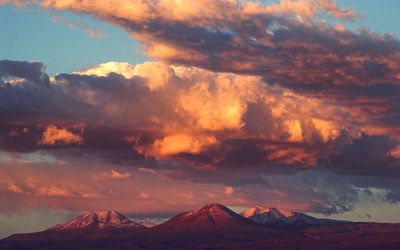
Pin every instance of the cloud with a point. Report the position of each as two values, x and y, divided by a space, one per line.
285 43
33 187
125 69
32 71
113 175
182 114
144 195
367 155
180 143
196 127
90 31
248 103
311 8
229 190
297 50
395 152
54 135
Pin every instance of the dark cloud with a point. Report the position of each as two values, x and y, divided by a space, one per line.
259 120
32 71
367 155
304 56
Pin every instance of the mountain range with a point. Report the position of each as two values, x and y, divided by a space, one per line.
214 226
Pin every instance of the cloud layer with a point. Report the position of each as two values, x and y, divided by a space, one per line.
182 123
263 103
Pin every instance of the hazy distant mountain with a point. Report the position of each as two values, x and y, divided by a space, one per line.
147 223
212 227
150 221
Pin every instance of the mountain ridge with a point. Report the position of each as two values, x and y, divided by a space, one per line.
210 227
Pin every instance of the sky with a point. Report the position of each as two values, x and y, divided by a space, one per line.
152 108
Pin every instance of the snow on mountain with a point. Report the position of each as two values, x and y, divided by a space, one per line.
98 220
274 216
264 215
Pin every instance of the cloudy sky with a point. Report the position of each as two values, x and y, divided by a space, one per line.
161 106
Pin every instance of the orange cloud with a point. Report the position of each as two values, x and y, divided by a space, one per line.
181 143
156 73
54 135
396 153
201 10
112 175
9 185
144 195
229 190
310 8
219 104
37 186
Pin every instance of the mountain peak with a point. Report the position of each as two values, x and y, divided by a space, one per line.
213 206
271 215
271 211
98 219
210 215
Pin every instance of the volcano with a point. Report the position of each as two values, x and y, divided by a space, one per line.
98 220
209 217
214 226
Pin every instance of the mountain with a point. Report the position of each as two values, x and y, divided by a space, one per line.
97 220
91 230
280 217
210 216
214 226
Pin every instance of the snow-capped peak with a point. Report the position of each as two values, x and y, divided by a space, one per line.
276 216
271 211
98 220
271 215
